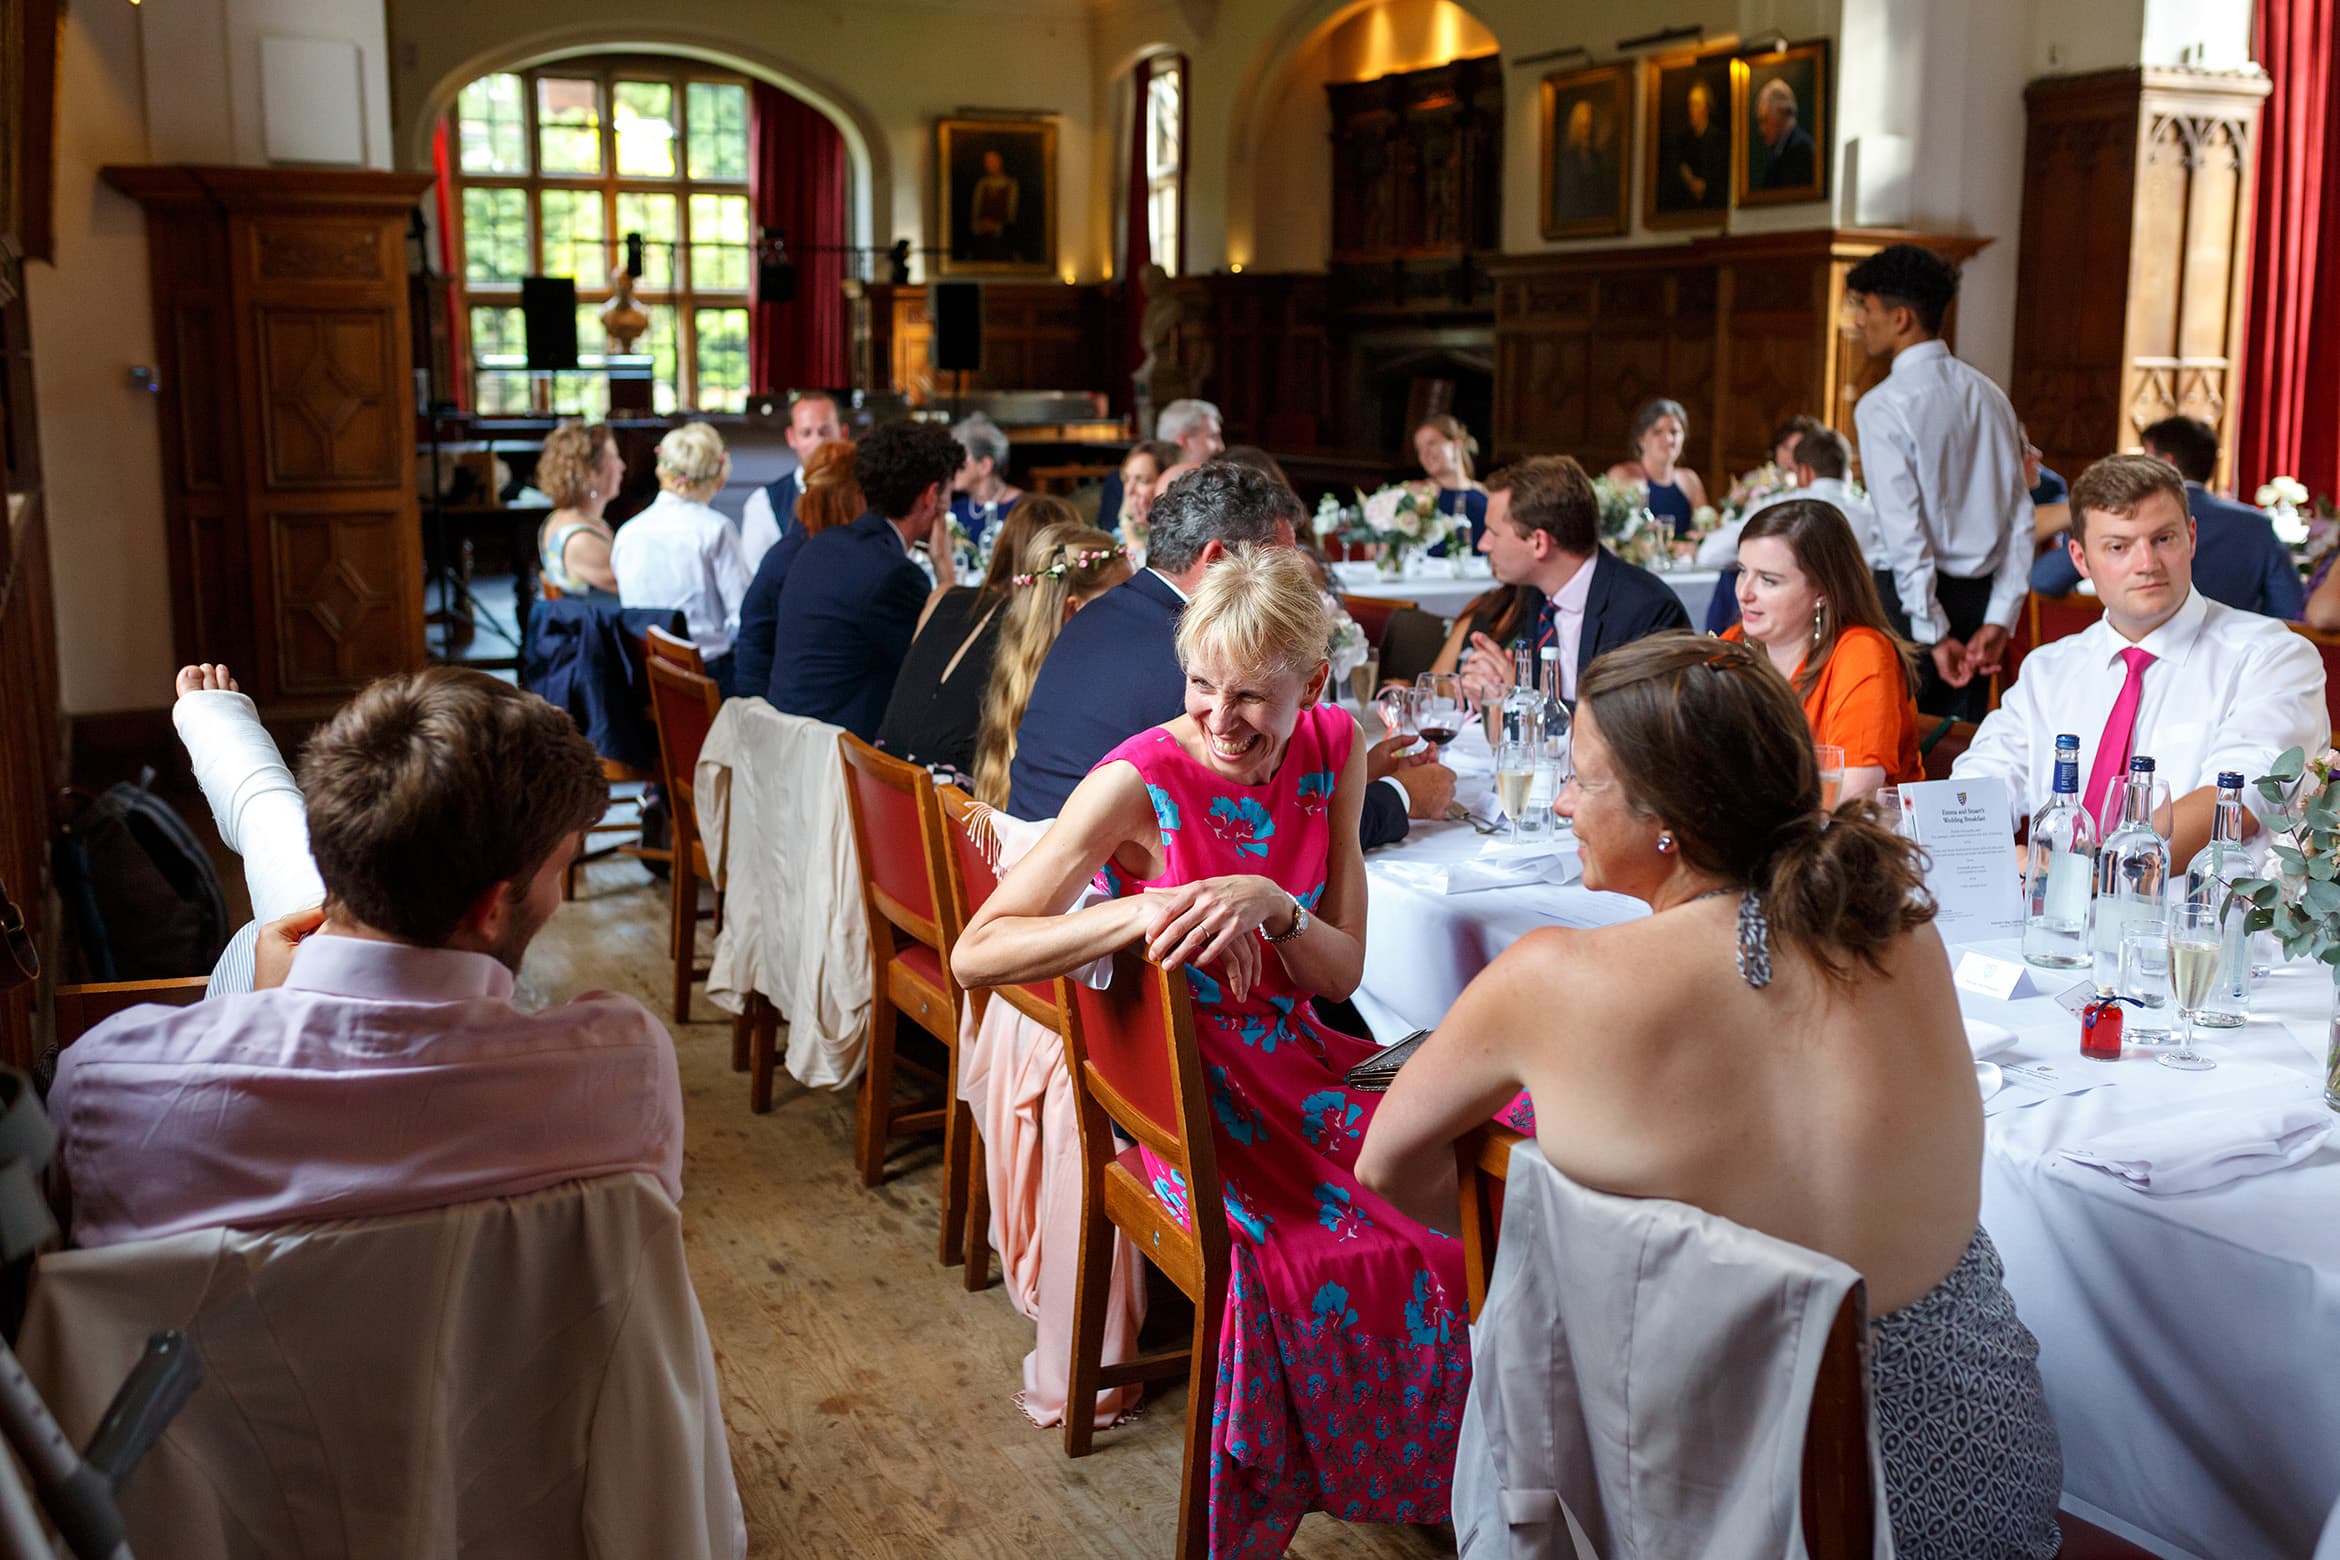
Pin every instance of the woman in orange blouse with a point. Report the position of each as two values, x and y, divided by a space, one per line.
1807 597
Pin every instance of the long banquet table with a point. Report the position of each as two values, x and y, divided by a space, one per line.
2190 1344
1432 585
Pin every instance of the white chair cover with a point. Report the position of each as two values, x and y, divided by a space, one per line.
1642 1375
770 790
524 1376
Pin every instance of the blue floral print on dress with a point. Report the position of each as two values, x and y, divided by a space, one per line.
1242 822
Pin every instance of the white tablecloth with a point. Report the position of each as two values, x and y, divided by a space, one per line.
2190 1345
1430 584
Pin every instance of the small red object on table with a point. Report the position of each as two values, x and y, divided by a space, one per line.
2101 1026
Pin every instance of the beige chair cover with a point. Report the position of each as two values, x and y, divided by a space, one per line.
523 1377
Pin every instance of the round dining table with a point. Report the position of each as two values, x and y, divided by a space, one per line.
2188 1342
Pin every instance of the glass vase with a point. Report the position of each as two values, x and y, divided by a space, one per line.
2332 1050
1391 561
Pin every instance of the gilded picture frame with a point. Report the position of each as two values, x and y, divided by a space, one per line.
1587 140
1687 134
1780 108
995 197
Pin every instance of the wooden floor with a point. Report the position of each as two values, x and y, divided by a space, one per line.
867 1393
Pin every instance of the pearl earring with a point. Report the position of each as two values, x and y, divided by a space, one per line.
1665 842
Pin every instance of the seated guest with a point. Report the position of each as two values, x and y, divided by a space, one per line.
1065 567
1140 470
2051 509
771 509
390 1071
2322 611
1228 837
2238 559
830 498
853 598
1822 460
1560 586
680 553
981 492
1445 448
580 471
1661 429
2166 673
1785 944
1193 428
937 703
1808 598
1114 669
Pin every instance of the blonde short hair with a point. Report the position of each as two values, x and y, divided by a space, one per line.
1260 609
690 456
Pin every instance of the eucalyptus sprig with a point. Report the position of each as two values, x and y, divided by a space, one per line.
2302 908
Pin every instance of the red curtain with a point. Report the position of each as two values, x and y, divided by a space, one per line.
1138 237
451 267
2290 423
796 184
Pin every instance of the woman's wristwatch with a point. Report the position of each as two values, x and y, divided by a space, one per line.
1299 923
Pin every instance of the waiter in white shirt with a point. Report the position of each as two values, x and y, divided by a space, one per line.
1942 455
1822 461
813 420
2166 673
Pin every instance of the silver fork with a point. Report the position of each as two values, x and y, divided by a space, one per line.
1457 813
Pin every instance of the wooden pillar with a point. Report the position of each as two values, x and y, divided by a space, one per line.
281 334
2137 205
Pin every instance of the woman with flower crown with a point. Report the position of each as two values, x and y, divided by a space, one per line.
1226 840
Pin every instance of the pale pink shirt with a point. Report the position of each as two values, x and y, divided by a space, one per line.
380 1078
1568 623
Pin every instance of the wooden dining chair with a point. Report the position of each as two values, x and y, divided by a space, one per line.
683 704
1136 1066
1410 644
674 650
972 879
80 1009
1943 743
898 836
1372 614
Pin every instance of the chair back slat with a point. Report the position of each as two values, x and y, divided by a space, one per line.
1133 1049
1840 1496
1372 614
889 801
973 878
79 1009
674 649
684 704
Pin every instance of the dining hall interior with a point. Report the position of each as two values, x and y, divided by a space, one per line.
598 964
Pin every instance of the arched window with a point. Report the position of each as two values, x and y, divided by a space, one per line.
1164 129
552 168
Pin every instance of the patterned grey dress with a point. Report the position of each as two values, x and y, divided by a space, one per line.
1972 1467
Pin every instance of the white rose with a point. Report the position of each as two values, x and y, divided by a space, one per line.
1382 511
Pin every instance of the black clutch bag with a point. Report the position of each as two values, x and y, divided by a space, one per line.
1375 1074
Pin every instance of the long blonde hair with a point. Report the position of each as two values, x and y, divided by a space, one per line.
1062 562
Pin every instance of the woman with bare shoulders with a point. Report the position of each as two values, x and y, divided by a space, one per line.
1789 1056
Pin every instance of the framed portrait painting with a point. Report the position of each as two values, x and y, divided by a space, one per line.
1781 107
997 196
1687 126
1588 146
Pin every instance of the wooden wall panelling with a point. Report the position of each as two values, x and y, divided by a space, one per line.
2138 191
281 306
1263 344
1036 336
29 752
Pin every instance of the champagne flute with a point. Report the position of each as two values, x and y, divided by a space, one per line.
1830 757
1515 776
2194 947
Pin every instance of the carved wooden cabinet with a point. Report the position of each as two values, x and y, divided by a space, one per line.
1745 331
2135 262
281 333
1036 336
1417 184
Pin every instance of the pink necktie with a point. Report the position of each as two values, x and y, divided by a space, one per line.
2112 749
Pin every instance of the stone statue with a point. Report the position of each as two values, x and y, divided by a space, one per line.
1163 375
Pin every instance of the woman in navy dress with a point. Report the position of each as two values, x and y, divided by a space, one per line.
981 492
1445 448
1660 431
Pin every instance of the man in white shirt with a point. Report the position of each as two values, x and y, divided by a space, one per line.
1942 455
2166 673
770 510
1822 459
680 553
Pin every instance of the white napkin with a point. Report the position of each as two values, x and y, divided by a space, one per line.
2199 1149
1988 1078
1499 864
1987 1039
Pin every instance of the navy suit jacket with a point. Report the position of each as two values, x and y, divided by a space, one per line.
759 617
847 610
1112 673
1625 602
2238 560
784 490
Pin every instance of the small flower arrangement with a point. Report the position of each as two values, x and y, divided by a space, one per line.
2283 498
1347 647
2300 904
1397 519
1628 529
1768 480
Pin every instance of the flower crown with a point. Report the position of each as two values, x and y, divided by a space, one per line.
1066 562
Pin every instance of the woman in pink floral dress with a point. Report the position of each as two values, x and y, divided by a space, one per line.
1227 841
